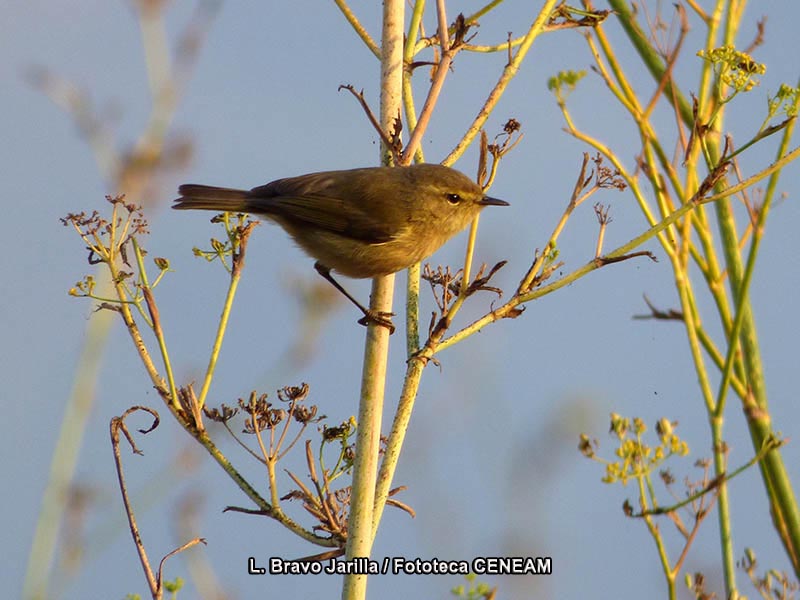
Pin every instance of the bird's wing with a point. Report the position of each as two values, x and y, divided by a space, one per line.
328 213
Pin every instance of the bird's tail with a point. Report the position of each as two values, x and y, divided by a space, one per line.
208 197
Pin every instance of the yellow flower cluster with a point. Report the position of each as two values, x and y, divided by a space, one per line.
637 458
734 68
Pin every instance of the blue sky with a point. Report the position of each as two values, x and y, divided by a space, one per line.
490 461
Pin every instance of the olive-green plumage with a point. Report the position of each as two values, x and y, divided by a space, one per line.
360 222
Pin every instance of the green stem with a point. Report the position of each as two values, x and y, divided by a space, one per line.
723 505
505 78
397 435
221 329
650 57
159 333
358 28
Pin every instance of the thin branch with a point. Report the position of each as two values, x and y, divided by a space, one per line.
117 425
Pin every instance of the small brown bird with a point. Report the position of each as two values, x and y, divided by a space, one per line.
361 222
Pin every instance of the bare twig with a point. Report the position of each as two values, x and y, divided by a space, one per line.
118 425
394 145
608 260
655 313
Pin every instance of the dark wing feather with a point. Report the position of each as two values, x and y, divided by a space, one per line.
331 214
315 200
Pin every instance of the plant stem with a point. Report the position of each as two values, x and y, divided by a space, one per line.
221 329
376 349
508 74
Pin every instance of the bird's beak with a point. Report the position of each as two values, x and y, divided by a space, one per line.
487 201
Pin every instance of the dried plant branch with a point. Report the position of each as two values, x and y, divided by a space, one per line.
118 425
508 74
393 143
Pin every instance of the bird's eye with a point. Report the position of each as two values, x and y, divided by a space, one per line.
453 198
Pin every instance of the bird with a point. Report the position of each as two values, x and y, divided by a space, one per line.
361 223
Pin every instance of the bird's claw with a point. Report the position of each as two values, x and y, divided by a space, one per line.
378 318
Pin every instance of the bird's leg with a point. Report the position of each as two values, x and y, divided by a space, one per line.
379 318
